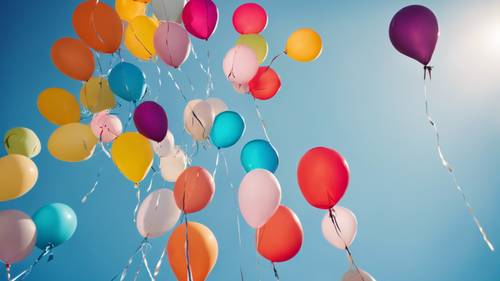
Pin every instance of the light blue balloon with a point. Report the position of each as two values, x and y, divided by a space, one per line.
227 129
55 224
127 81
259 154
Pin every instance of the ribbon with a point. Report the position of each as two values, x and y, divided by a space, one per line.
138 196
261 120
142 246
26 272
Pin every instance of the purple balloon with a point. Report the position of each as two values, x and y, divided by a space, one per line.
414 32
151 120
200 18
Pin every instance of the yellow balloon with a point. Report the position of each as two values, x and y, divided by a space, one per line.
133 155
129 9
72 142
255 42
58 106
304 45
139 37
96 95
22 141
18 174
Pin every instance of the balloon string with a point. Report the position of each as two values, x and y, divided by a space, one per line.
158 70
261 120
123 274
210 85
216 164
199 61
158 265
146 264
104 150
188 78
129 118
448 167
179 89
26 272
276 275
138 196
98 59
7 271
94 187
274 59
151 180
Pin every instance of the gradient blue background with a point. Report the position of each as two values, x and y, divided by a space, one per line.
360 97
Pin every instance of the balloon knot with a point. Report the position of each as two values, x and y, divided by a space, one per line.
428 69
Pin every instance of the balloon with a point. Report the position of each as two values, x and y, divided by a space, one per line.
55 224
323 176
172 165
98 25
217 105
255 42
106 127
249 18
157 214
198 119
203 251
22 141
265 84
228 128
414 32
139 37
240 88
165 147
259 154
151 120
172 43
200 17
194 189
168 10
127 81
73 58
259 197
19 174
96 95
353 275
17 236
347 223
240 64
304 45
58 106
72 142
280 238
129 9
132 154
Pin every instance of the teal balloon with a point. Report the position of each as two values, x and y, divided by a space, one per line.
259 154
55 224
227 129
127 81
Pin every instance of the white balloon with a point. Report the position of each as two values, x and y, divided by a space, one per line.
172 165
165 147
158 213
198 119
168 10
241 88
353 275
347 223
217 105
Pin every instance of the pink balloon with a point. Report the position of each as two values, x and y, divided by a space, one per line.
17 236
347 224
172 43
241 88
249 18
200 17
105 126
240 64
259 197
157 214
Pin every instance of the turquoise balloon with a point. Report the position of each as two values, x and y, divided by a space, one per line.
127 81
55 224
259 154
227 129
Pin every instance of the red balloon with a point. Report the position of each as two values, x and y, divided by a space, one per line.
280 238
265 84
249 18
323 176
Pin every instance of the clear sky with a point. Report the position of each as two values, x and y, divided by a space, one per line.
360 97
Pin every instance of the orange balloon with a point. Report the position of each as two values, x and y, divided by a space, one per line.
194 189
280 238
73 58
98 25
203 251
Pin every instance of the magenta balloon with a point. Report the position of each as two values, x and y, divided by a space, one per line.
249 18
17 236
172 43
414 32
240 64
200 18
151 120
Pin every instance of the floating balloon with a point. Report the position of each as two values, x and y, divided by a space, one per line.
259 197
259 154
200 18
157 214
106 127
72 142
198 119
323 176
151 120
203 251
257 43
98 25
168 10
19 174
240 64
139 37
73 58
22 141
217 105
127 81
347 224
354 275
240 88
132 154
18 236
58 106
96 95
55 224
265 84
228 128
172 165
414 32
280 238
172 43
249 18
194 189
165 147
130 9
304 45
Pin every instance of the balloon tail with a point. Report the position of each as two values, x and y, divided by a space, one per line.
138 196
7 271
188 78
276 275
262 122
94 187
123 274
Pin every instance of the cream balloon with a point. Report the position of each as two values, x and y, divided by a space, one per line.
165 147
157 214
354 275
172 165
18 174
217 105
72 142
348 226
198 119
